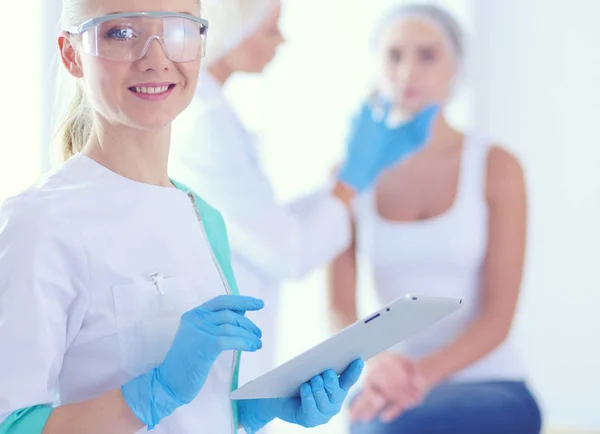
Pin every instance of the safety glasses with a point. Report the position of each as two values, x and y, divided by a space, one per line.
126 37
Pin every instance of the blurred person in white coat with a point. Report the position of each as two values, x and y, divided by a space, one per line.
215 154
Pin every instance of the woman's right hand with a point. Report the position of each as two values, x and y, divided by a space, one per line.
204 333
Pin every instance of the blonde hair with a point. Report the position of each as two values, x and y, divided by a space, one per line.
77 124
76 127
230 23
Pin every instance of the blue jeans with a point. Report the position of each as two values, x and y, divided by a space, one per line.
500 407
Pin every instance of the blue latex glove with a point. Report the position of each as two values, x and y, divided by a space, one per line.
204 333
372 146
320 400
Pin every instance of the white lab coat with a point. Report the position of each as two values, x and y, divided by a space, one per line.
216 156
79 312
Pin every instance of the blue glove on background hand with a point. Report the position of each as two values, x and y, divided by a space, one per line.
320 400
417 132
203 334
373 147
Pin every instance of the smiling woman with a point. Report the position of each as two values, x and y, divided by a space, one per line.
121 43
120 310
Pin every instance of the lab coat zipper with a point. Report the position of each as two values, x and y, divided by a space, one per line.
227 290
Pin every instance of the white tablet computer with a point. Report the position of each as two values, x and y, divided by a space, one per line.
364 339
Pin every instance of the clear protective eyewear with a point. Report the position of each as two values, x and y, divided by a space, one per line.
126 37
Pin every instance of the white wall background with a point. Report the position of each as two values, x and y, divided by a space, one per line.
536 89
532 87
20 115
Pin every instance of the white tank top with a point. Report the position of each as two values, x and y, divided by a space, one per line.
440 256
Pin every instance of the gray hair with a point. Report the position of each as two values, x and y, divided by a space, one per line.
447 24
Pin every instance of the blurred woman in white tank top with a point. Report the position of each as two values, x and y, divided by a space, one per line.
449 220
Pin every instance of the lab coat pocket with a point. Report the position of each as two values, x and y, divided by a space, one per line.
147 320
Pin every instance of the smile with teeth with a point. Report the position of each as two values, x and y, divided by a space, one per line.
151 90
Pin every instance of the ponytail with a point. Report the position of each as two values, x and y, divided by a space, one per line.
76 128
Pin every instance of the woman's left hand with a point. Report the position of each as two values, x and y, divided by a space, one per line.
393 384
320 400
